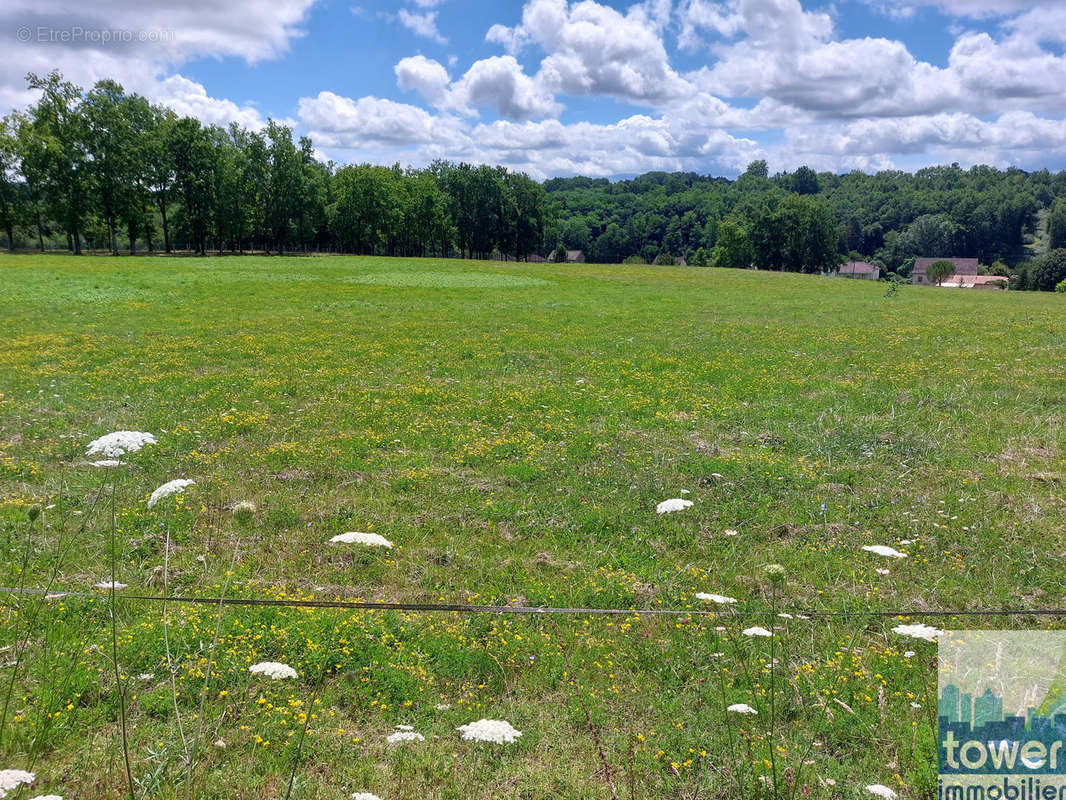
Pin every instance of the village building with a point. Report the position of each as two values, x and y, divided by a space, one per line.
860 270
964 267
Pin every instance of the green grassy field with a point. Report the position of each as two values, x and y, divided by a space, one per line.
510 428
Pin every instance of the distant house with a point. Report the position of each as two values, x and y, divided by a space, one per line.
536 258
964 267
572 256
860 270
986 282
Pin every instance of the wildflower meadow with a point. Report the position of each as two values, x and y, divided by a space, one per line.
767 479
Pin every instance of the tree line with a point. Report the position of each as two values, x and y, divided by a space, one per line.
111 170
106 168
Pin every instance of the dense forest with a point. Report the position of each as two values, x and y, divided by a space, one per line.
106 169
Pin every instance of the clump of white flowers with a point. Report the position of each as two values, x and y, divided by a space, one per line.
364 796
47 797
883 550
168 489
881 791
117 444
741 708
108 585
12 779
355 537
721 599
497 731
756 631
244 512
918 631
275 670
404 736
107 462
672 505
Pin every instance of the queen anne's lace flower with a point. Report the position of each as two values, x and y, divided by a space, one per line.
497 731
883 550
404 736
119 443
671 505
13 778
715 598
364 796
176 486
108 585
107 462
47 797
273 669
756 631
369 539
881 791
742 708
919 631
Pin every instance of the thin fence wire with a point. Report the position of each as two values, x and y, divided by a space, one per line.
466 608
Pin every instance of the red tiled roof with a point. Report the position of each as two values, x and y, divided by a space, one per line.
963 266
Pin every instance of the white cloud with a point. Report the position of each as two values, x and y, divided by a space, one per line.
501 83
593 49
141 45
421 24
336 121
423 75
190 99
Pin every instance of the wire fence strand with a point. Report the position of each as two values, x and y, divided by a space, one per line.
467 608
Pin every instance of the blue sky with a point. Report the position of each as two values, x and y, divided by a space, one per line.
597 88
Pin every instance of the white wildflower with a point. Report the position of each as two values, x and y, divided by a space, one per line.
883 550
883 571
443 706
107 462
906 541
756 631
369 539
785 615
881 791
119 443
908 653
48 797
108 585
742 708
13 778
404 736
405 727
916 705
685 491
671 505
919 631
274 669
489 730
176 486
146 676
721 599
731 532
364 796
220 744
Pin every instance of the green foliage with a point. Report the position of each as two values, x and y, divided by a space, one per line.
700 258
1057 225
634 259
664 260
734 248
1061 286
938 271
561 254
1048 271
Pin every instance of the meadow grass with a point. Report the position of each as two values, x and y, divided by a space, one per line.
510 428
